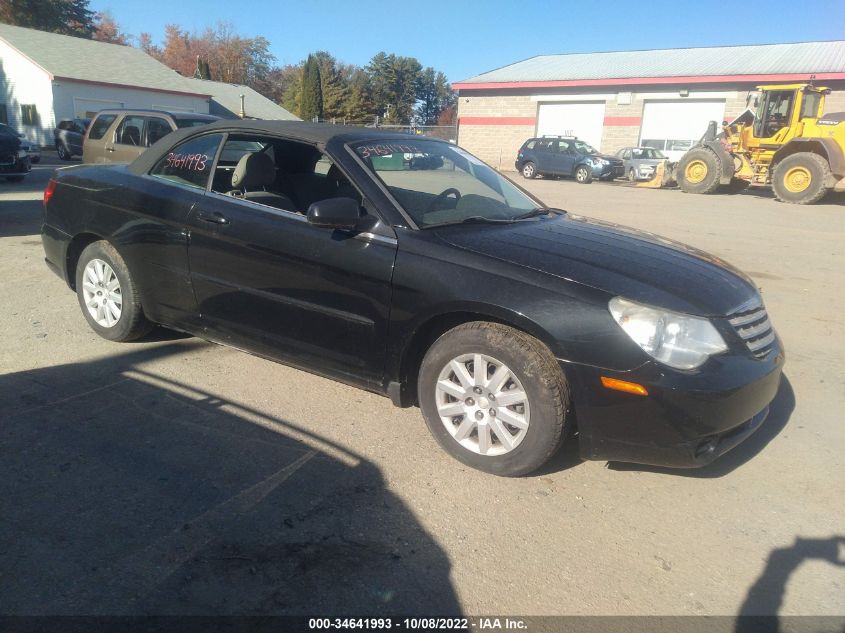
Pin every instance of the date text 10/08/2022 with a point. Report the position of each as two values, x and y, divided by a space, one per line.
419 624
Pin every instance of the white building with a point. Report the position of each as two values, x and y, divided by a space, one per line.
45 77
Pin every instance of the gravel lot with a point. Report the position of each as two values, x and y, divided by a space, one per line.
173 476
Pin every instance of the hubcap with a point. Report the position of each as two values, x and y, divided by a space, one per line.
528 171
696 171
581 176
797 179
101 293
482 404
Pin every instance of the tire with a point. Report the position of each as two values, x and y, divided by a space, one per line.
800 178
529 170
632 175
63 152
99 266
530 370
583 175
699 171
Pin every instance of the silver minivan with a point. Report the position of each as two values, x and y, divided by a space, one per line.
120 136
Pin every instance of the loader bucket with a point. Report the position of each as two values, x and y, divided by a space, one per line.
663 177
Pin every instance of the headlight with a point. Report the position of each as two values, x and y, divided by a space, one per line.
600 161
22 153
678 340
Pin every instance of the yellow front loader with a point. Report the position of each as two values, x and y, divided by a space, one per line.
786 142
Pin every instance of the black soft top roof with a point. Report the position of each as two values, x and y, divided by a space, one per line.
319 134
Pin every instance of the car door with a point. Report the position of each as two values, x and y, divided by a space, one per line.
267 280
545 153
127 142
74 136
565 157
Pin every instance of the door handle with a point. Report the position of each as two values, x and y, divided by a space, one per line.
215 218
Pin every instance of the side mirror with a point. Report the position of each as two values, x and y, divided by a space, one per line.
335 213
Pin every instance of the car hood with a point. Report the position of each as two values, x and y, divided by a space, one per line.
613 258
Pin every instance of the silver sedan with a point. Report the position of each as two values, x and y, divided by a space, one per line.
640 162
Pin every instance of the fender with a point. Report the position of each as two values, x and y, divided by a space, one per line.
826 147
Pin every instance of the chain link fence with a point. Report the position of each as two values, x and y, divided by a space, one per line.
445 132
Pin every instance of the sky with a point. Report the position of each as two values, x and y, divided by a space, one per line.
463 38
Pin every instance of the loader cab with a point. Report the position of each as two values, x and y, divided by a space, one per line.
780 108
774 112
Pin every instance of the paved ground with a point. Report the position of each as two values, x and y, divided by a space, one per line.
174 476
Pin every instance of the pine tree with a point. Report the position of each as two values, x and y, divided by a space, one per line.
311 98
68 17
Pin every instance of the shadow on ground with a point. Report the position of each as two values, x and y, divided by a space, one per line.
780 411
126 492
20 217
764 599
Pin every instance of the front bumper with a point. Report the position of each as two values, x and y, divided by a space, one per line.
608 171
20 167
687 420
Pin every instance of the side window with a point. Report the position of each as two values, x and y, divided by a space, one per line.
189 163
100 125
129 131
627 155
530 144
156 129
564 147
282 174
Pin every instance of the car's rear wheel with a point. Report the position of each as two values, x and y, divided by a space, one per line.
494 398
62 151
529 170
583 175
108 295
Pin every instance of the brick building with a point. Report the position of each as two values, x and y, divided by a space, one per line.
659 98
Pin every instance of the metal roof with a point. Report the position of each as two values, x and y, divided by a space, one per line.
75 58
226 101
765 59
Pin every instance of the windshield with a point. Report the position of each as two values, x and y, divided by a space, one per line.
584 148
438 183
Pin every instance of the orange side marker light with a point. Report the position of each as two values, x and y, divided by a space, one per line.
624 385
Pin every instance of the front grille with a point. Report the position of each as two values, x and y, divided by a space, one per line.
753 327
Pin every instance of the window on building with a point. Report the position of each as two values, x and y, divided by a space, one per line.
29 115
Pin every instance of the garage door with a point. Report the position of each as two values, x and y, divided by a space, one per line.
675 126
584 120
87 108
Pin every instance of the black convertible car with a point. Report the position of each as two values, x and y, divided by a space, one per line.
405 266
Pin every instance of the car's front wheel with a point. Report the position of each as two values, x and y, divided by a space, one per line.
632 175
583 175
529 170
494 397
62 151
108 295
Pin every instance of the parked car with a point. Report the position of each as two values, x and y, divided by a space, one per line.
68 136
640 162
565 156
120 136
435 282
32 149
15 162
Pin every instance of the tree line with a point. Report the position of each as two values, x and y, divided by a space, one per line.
396 89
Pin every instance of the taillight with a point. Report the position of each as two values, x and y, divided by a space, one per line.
48 192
